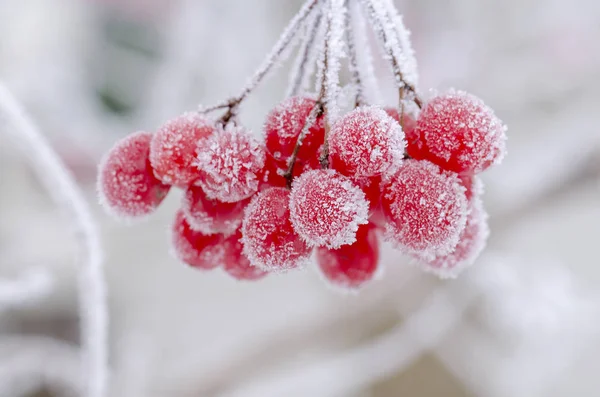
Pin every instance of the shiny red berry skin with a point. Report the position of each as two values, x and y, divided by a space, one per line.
235 263
211 216
352 265
173 148
270 242
126 183
194 248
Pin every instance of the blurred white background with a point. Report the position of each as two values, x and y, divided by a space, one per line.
524 321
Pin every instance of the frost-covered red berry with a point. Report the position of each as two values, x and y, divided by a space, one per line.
366 142
326 208
211 216
470 244
425 209
285 123
173 148
352 265
126 183
194 248
269 239
235 263
473 185
409 124
230 162
273 171
458 132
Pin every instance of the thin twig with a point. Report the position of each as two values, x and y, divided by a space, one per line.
359 99
286 38
379 23
64 190
300 70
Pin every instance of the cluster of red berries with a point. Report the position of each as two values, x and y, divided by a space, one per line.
410 179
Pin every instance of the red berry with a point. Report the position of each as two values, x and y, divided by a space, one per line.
285 123
470 244
425 209
366 142
173 148
196 249
126 184
235 263
230 162
273 171
270 241
409 124
352 265
211 216
326 208
472 184
371 186
458 132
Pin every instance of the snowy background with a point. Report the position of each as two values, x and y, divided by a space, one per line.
524 321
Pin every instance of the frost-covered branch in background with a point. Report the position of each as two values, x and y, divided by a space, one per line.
63 189
29 286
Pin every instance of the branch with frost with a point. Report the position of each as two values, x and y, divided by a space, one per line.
365 66
31 285
267 65
301 70
386 28
353 57
30 363
63 189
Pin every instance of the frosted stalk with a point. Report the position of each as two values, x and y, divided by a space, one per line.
64 190
335 52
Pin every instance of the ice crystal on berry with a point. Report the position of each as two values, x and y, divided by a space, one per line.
211 216
351 265
126 184
425 209
283 126
470 244
194 248
229 161
269 239
235 263
366 142
458 132
326 208
173 148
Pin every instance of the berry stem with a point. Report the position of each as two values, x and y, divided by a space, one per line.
64 190
274 55
353 59
320 106
390 39
299 74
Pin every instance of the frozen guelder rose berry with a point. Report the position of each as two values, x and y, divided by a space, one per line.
230 162
269 239
366 142
425 209
211 216
409 124
235 263
126 184
470 244
173 148
326 208
351 265
473 185
283 126
458 132
194 248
